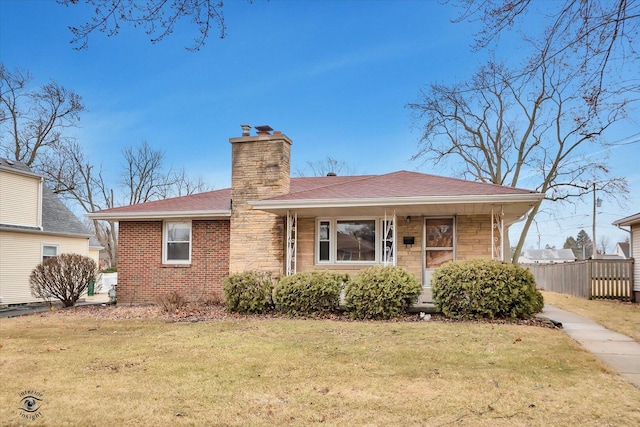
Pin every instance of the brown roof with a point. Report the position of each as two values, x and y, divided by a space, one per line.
395 184
392 185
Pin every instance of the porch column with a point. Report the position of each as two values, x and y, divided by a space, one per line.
292 242
497 232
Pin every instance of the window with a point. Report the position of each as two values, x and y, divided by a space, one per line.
49 251
177 243
439 241
348 241
324 231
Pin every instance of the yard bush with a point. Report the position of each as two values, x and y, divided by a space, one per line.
248 292
65 278
309 293
485 289
381 292
171 302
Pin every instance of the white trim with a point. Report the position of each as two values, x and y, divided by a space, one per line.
168 215
395 201
333 241
165 242
51 245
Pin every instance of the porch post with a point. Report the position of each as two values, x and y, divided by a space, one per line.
292 242
497 232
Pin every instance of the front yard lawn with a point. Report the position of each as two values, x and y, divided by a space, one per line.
97 371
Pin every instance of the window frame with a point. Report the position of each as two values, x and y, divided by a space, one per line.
49 245
333 241
166 242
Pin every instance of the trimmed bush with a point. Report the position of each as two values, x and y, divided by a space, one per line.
65 277
485 289
248 292
381 293
309 293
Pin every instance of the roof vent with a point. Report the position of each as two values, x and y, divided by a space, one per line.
264 130
332 174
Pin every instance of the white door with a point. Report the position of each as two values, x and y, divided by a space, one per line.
437 249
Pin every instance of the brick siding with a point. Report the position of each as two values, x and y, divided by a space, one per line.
142 277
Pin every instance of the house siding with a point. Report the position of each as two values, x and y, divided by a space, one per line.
20 195
20 253
143 278
635 254
473 237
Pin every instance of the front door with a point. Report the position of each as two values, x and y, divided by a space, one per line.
438 248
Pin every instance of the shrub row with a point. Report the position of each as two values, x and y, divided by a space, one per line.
374 293
462 289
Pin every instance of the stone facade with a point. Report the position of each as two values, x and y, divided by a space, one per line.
473 240
260 169
143 278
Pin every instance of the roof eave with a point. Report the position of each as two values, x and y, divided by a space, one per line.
628 221
395 201
141 216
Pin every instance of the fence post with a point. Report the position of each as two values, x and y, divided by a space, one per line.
589 278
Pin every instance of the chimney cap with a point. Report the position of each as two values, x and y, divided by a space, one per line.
265 129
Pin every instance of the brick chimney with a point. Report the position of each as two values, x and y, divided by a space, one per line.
260 169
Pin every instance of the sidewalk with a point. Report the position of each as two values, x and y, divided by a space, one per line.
615 350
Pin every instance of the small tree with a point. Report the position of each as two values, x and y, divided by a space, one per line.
64 278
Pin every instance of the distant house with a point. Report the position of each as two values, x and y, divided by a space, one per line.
271 222
34 225
546 256
633 222
622 250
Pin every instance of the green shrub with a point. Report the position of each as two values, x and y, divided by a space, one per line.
485 289
248 292
381 293
309 293
65 278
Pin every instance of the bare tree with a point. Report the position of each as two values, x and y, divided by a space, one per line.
158 18
598 37
504 128
143 178
327 166
605 241
34 122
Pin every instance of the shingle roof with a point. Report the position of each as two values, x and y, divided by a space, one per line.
396 184
57 218
402 184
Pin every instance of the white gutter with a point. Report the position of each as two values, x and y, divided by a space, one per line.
139 216
395 201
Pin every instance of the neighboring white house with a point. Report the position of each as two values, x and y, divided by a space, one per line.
34 225
622 250
633 222
546 256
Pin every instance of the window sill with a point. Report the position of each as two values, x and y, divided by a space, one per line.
170 265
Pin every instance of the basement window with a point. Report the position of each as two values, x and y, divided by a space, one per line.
176 247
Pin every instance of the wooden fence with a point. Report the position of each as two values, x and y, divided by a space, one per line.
595 278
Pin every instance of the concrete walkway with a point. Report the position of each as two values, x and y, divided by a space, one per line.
617 351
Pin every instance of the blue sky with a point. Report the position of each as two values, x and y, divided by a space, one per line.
335 76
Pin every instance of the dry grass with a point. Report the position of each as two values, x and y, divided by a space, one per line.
622 317
94 371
